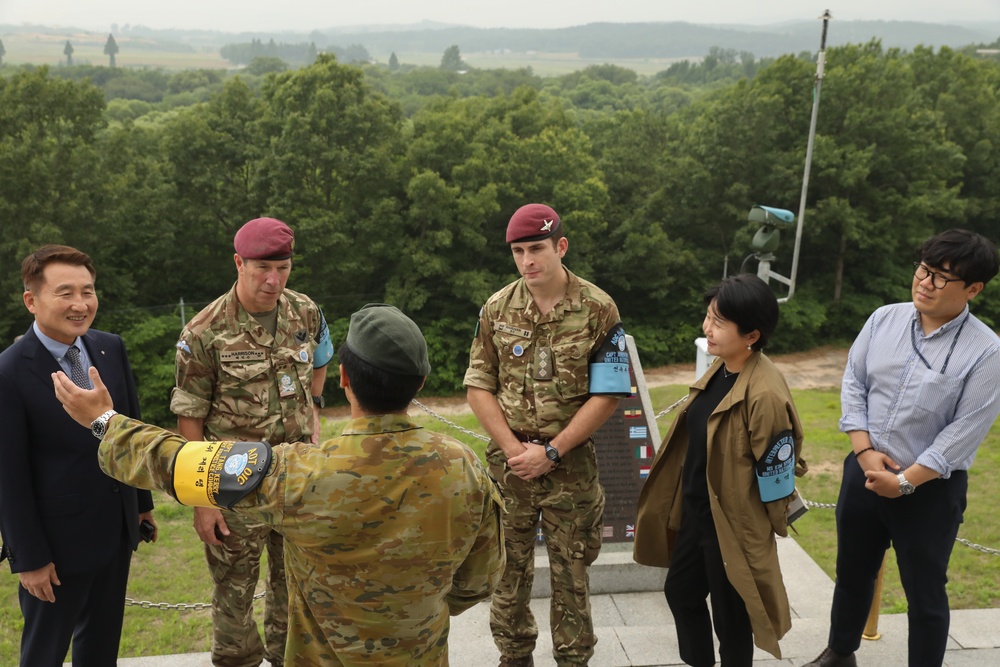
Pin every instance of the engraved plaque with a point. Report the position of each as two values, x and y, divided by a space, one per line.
625 447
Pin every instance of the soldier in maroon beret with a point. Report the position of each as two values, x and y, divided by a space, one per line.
546 370
533 222
264 238
246 368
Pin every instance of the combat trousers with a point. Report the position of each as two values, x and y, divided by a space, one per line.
570 502
235 568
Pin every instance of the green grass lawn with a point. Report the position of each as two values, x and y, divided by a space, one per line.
173 570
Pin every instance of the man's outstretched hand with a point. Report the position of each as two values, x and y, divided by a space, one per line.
83 405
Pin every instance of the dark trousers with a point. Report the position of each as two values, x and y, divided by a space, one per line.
696 571
88 610
921 528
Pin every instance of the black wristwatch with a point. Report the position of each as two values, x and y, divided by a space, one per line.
551 452
319 402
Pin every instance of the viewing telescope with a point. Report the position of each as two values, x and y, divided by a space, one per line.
772 221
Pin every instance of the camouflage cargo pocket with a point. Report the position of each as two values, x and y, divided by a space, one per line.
589 527
572 370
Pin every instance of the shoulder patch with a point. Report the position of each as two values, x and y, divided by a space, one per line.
323 353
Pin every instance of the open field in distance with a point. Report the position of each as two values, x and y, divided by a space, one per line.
88 49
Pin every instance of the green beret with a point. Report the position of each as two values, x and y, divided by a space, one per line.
387 339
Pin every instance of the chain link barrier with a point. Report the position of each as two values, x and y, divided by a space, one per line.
977 547
961 540
199 606
668 409
662 413
819 506
180 606
449 423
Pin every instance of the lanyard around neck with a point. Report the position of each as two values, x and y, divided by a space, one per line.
954 341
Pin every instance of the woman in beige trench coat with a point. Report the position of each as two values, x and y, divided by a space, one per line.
701 511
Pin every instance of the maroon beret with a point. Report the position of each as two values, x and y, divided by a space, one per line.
264 238
532 222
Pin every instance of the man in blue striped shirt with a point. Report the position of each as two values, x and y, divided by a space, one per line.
921 390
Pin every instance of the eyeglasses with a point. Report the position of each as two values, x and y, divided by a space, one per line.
920 272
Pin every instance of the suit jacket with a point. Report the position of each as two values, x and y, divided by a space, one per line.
56 505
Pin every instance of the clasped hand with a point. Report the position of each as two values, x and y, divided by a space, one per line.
531 463
879 474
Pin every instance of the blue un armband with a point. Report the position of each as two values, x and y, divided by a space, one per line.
609 371
776 469
219 473
324 346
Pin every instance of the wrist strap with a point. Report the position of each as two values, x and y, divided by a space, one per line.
866 449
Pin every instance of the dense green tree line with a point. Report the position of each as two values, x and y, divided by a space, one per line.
399 186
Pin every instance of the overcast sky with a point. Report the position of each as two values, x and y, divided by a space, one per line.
306 15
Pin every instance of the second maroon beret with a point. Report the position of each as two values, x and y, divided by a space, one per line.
532 222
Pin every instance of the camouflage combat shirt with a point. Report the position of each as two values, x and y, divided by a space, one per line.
246 384
513 339
388 529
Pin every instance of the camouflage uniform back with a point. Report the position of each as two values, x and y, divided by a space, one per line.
248 385
389 528
537 367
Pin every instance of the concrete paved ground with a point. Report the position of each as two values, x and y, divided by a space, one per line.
635 628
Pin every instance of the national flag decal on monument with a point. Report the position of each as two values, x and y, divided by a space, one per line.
643 452
630 530
644 472
633 413
637 432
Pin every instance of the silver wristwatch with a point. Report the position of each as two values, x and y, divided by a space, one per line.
905 488
100 425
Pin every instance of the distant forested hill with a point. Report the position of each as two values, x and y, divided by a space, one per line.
669 40
594 40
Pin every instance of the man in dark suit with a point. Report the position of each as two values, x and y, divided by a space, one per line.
68 529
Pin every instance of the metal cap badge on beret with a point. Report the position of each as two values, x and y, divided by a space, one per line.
532 222
264 238
387 339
